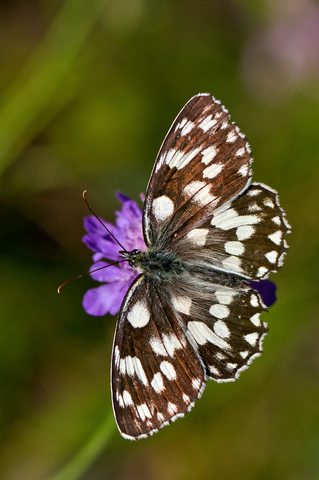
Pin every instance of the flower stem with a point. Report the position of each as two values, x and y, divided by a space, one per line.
82 460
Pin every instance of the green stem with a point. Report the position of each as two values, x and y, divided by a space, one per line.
31 101
79 464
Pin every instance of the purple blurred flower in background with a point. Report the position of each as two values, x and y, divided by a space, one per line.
116 279
285 53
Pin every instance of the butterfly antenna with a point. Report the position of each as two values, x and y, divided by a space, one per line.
88 205
88 273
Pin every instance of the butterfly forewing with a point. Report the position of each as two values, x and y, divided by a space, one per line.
156 373
203 162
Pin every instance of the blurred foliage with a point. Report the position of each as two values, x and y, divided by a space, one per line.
88 91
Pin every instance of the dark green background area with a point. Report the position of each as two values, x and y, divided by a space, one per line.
88 92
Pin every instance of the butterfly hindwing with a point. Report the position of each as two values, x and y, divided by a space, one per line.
220 315
244 236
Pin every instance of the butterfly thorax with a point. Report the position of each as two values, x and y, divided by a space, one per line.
154 262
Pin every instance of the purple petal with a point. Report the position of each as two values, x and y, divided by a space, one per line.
104 299
92 225
121 197
98 244
112 273
267 291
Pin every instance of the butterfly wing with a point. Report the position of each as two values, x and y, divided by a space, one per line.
156 373
203 162
244 236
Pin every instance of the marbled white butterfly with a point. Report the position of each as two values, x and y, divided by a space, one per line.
191 313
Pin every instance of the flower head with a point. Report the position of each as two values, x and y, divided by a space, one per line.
116 279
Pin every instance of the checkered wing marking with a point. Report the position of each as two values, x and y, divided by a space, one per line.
244 236
221 322
203 162
156 373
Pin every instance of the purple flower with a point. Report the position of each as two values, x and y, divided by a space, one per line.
267 291
116 279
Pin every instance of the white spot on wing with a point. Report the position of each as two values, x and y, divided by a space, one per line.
171 344
231 137
214 370
219 311
129 366
203 334
139 315
244 169
157 346
170 154
168 370
269 203
186 398
240 152
139 370
255 320
182 304
196 384
245 232
254 300
232 264
225 296
253 207
230 219
253 193
171 409
276 237
221 329
187 128
207 123
198 236
213 170
261 271
122 366
180 159
244 354
158 382
127 398
193 188
209 154
251 338
203 196
116 355
276 220
143 411
234 248
271 256
162 208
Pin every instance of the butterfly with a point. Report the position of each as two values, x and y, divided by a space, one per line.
191 313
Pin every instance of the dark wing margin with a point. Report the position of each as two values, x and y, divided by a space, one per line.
203 162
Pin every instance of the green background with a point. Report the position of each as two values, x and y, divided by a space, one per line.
88 92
